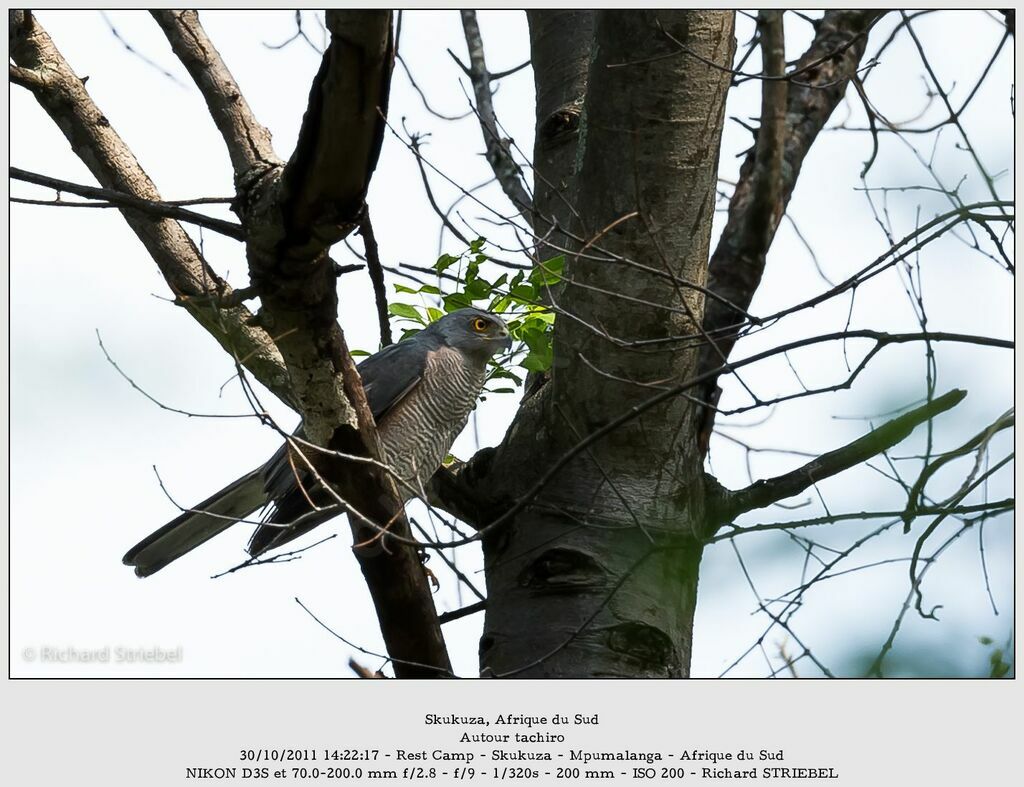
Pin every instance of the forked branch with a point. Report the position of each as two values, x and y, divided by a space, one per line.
763 191
62 94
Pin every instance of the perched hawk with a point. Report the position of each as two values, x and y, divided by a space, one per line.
421 392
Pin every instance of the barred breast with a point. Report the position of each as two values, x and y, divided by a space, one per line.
419 431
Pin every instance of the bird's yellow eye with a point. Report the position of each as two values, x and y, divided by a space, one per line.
480 324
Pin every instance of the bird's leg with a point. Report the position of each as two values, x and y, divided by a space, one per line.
424 557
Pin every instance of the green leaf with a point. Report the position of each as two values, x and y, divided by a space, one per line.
406 311
457 300
501 390
500 304
538 361
999 667
536 339
444 262
505 374
358 353
478 289
549 271
434 314
524 293
429 289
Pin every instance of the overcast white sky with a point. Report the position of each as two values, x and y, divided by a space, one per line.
84 443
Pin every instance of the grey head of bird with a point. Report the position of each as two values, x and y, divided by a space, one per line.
474 332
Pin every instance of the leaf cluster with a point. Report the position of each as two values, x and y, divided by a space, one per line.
518 298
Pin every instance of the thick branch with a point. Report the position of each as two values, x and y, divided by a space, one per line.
63 96
329 172
26 77
392 569
738 261
122 200
765 208
560 47
765 204
298 295
499 155
1010 16
319 201
461 490
294 216
247 141
771 490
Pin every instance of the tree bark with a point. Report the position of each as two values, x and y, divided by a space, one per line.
560 45
597 576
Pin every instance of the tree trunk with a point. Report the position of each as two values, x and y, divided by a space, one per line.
560 45
597 575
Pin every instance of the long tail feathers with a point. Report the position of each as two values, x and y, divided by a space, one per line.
214 515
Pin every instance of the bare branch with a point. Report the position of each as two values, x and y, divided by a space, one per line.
132 50
373 267
499 155
150 207
326 178
26 77
364 672
978 444
1010 16
771 490
998 506
448 617
411 666
63 96
248 142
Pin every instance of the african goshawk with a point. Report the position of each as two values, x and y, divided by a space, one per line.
421 392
